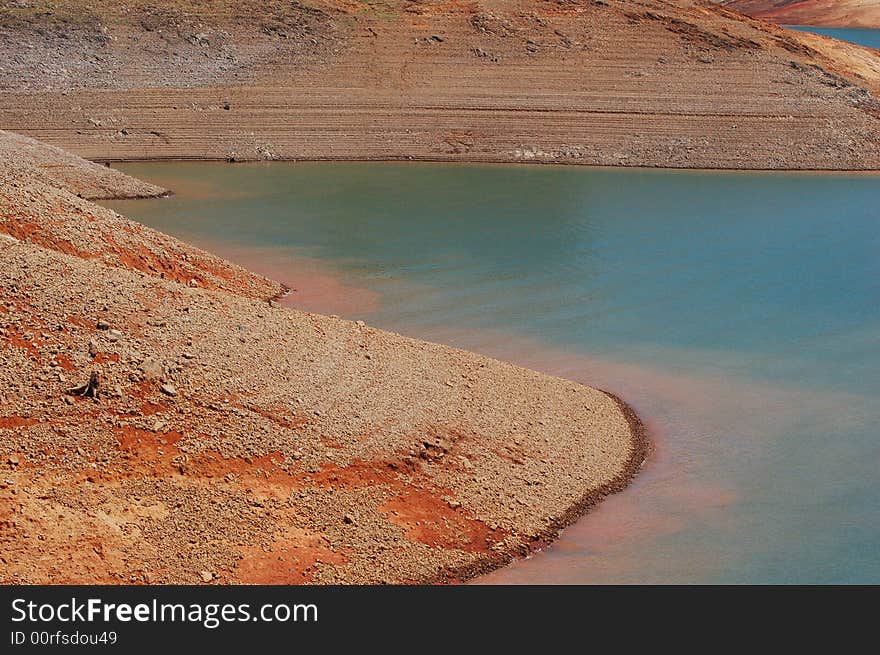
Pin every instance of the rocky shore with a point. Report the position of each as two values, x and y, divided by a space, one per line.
162 420
680 83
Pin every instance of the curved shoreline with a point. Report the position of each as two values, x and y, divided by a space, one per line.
373 457
641 450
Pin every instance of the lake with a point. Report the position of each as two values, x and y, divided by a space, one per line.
858 35
738 313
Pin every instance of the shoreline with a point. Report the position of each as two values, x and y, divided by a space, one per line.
642 448
623 84
371 457
434 519
448 162
642 445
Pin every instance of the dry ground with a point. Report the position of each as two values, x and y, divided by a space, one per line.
612 82
234 441
833 13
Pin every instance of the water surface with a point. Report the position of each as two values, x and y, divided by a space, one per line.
738 313
858 35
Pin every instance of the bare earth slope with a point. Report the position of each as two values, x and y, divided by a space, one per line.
24 157
614 82
234 441
42 200
832 13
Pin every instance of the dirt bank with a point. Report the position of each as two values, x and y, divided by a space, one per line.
836 13
233 441
607 82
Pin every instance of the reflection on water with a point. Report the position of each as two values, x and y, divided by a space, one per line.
737 313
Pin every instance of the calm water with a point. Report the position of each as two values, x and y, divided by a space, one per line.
738 313
860 35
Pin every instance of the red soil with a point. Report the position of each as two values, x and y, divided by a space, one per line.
429 520
9 422
292 559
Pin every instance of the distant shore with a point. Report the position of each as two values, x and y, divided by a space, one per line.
602 84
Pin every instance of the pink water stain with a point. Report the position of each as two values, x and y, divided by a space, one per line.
314 287
698 426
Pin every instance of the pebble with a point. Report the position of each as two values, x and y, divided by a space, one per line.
206 576
152 368
114 335
168 389
103 325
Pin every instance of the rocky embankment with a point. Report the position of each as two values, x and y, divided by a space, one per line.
161 420
831 13
679 83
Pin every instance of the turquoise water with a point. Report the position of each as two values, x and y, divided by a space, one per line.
738 313
859 35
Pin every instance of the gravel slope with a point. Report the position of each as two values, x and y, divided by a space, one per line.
234 441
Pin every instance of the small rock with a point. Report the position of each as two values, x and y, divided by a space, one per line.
68 400
206 576
152 369
93 348
103 325
348 519
114 335
13 460
168 389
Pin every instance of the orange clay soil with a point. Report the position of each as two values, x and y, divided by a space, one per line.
234 441
611 82
832 13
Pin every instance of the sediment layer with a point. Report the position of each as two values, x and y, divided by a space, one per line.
616 82
234 441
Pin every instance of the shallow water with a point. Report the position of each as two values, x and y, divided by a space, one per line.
858 35
738 313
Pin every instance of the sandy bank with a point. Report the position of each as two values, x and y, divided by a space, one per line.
234 441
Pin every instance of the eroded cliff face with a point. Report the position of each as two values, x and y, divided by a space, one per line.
611 82
839 13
